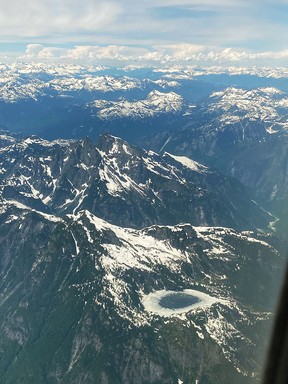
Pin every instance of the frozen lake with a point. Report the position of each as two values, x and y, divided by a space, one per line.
178 300
170 303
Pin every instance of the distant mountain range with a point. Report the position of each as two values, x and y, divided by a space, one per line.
74 101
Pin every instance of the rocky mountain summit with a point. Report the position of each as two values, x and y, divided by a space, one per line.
123 184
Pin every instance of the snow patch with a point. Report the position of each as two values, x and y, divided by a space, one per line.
191 164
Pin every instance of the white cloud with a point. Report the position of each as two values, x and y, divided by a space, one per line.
37 18
189 54
270 55
197 3
110 52
138 30
37 52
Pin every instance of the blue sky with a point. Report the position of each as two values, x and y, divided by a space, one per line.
149 31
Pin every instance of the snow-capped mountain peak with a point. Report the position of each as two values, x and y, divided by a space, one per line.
156 103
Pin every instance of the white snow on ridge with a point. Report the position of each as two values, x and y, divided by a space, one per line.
155 103
261 103
8 140
271 91
147 250
21 206
141 250
117 182
89 83
135 248
114 171
189 163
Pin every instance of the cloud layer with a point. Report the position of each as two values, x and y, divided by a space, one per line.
34 18
189 54
155 30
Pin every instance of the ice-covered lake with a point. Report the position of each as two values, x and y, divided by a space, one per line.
177 300
169 303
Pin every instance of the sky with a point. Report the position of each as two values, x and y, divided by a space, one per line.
147 32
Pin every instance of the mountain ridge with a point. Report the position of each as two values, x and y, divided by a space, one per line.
114 176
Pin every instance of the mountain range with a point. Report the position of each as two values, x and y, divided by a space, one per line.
141 223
